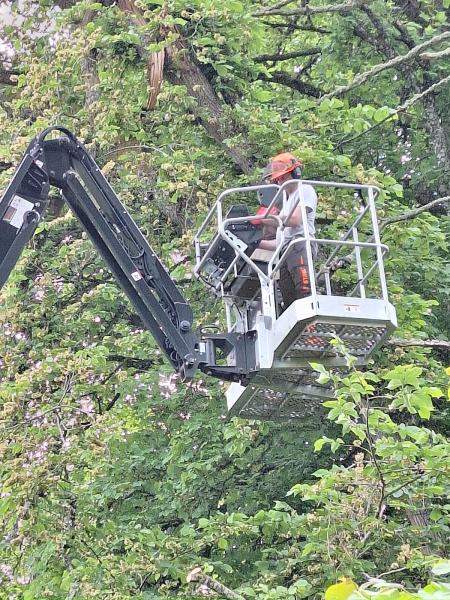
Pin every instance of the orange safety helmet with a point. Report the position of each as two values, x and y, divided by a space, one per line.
281 164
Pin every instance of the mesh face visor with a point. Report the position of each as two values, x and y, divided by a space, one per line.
277 168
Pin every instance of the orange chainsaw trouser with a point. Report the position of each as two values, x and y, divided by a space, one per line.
294 275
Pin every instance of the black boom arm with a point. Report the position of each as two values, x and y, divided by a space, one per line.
64 163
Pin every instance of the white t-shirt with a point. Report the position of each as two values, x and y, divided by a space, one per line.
310 198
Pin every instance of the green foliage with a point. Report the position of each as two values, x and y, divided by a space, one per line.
116 479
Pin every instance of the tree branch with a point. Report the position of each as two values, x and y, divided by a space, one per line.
310 10
381 503
277 6
197 575
294 26
112 402
402 108
405 37
5 166
130 361
287 55
440 344
181 68
394 62
432 55
292 82
411 214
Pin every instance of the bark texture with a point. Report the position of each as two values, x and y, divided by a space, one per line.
181 68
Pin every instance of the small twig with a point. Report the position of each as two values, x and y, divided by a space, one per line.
381 504
134 148
286 55
66 389
112 402
397 489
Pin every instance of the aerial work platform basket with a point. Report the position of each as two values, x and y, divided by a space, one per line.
348 304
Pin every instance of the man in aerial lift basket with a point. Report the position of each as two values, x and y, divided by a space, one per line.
294 275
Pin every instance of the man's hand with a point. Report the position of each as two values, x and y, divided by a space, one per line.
268 245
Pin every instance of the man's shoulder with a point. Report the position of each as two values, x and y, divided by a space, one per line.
308 189
309 193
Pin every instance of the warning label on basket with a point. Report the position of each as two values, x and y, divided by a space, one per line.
15 212
352 308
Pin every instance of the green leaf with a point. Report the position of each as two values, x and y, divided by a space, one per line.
397 189
382 113
323 378
319 444
341 591
442 567
222 70
222 544
202 523
262 95
343 161
66 582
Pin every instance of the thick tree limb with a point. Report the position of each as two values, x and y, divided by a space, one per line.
413 213
425 92
287 55
91 80
394 62
155 60
383 29
440 344
433 55
296 84
344 7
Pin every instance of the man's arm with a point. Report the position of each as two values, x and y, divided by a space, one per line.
268 244
295 220
310 199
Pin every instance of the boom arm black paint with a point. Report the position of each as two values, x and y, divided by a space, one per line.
64 163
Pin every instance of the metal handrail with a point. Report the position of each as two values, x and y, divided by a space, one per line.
274 264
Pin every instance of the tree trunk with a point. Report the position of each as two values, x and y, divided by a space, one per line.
182 69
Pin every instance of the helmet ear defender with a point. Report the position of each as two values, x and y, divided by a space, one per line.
297 173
